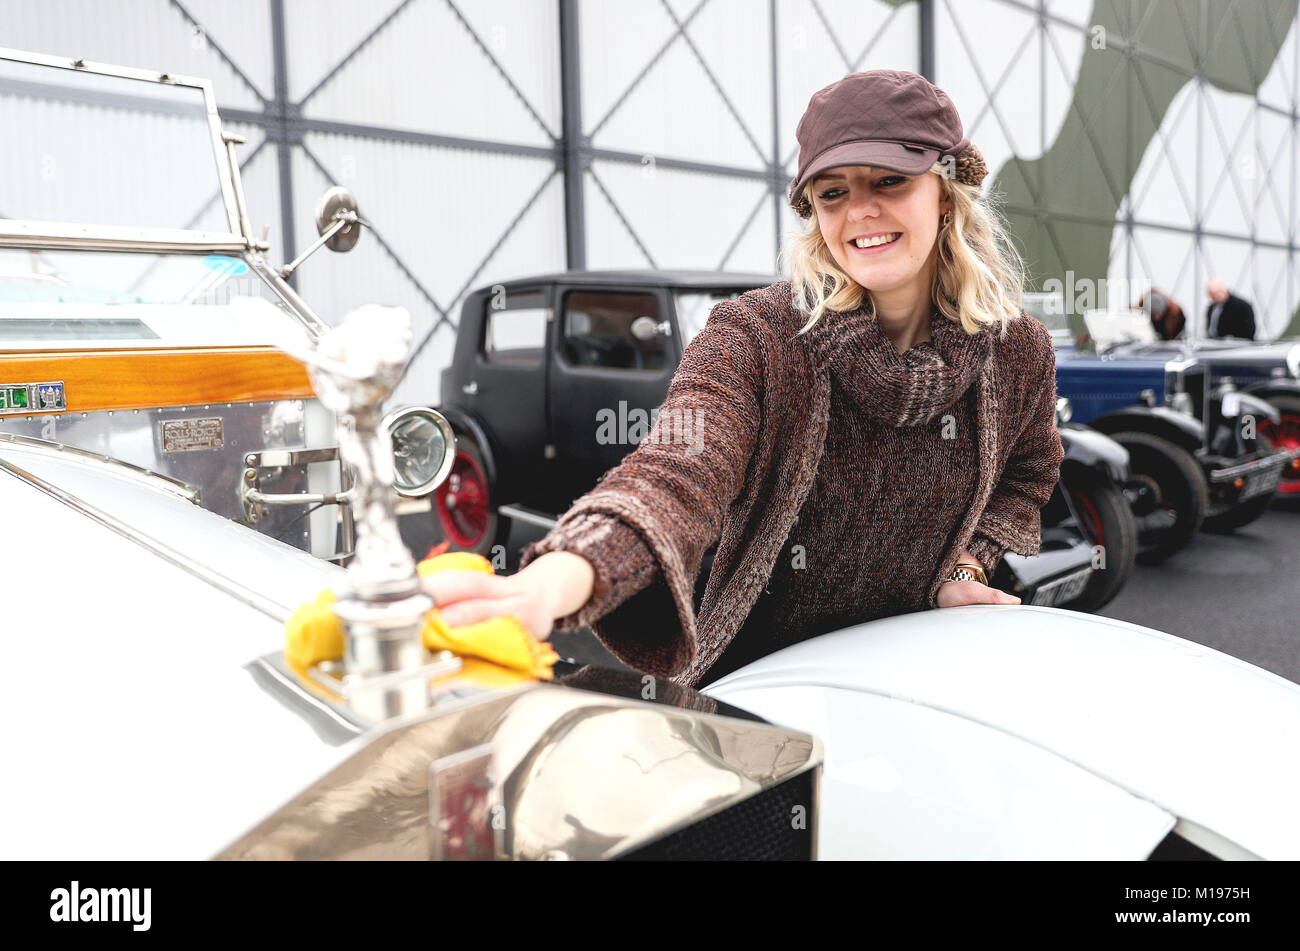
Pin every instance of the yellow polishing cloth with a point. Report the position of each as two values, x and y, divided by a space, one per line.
502 640
314 633
454 561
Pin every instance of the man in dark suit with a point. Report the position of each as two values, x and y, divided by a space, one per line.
1228 315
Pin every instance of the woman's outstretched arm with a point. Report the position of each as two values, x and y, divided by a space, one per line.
644 528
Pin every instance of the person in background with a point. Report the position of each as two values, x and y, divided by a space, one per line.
1166 316
1228 315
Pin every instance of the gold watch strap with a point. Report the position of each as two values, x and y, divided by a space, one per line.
965 571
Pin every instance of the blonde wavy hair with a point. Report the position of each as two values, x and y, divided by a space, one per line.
978 279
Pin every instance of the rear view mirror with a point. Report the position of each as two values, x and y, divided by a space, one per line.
338 204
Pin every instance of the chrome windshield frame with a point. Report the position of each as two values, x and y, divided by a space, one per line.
54 235
219 153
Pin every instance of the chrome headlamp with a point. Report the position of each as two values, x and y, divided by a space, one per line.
1064 410
424 448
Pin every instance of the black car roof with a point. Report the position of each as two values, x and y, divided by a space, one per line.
649 276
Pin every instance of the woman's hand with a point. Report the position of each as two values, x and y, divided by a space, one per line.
552 586
953 594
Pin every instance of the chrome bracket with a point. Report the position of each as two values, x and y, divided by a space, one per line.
254 500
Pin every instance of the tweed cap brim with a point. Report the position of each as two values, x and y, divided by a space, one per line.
967 165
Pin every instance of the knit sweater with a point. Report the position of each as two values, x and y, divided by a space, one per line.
771 448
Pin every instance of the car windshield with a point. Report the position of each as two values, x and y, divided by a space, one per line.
1048 308
107 150
1109 329
62 299
693 308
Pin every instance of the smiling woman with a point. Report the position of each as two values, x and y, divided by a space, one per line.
878 430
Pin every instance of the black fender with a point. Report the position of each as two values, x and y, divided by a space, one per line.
464 421
1267 389
1178 428
1093 450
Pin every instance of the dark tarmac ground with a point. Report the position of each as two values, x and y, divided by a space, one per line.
1238 593
1235 593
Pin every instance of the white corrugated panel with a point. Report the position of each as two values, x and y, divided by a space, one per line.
1164 185
425 72
447 217
105 165
817 48
442 210
153 35
707 98
1008 123
318 35
682 219
1227 133
1268 175
1268 291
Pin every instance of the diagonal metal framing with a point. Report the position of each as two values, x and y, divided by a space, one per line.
1189 201
1034 194
618 213
713 80
216 48
571 149
645 70
352 53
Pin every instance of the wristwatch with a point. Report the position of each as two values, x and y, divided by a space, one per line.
968 571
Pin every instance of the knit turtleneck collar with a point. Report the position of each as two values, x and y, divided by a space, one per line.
899 389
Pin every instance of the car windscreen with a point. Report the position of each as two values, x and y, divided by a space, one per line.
694 305
93 149
1112 328
66 299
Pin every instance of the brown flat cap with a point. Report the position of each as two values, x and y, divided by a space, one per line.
888 118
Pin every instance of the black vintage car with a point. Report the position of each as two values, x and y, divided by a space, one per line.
555 378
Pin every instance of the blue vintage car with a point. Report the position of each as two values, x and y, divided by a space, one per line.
1196 454
1270 371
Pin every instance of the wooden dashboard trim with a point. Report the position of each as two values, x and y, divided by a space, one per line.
95 380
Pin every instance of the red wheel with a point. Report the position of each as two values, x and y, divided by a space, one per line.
1285 435
1088 512
463 504
1107 522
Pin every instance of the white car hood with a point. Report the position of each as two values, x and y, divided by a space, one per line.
134 730
1204 737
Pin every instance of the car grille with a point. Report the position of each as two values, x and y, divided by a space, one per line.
1194 385
759 829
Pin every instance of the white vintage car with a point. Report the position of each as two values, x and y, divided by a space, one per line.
153 714
185 452
1028 732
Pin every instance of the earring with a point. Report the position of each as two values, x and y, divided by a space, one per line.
946 220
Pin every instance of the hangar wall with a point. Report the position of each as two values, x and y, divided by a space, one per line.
1136 140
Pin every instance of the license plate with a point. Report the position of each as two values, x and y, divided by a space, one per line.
1062 590
1261 483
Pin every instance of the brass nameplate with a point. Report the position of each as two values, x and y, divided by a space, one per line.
185 435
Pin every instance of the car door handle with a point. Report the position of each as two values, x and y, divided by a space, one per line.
470 388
